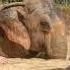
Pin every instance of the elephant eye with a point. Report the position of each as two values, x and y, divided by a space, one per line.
45 26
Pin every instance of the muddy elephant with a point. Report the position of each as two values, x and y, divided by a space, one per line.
45 30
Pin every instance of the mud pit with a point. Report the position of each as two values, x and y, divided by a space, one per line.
35 64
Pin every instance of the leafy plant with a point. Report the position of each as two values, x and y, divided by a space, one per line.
9 1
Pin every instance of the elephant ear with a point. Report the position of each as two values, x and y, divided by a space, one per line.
22 14
15 30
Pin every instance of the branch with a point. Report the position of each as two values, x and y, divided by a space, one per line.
6 6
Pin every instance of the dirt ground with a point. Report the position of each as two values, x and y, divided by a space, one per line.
35 64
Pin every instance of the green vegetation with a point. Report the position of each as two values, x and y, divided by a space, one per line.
63 5
60 4
9 1
63 2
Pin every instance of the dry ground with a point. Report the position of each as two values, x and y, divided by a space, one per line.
35 64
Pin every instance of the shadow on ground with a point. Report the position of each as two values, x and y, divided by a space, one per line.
68 68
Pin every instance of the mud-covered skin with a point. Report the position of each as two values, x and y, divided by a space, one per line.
54 36
17 35
51 36
58 41
13 28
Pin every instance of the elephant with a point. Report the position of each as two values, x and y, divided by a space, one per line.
43 29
